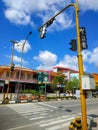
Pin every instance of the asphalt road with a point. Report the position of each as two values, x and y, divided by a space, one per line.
55 115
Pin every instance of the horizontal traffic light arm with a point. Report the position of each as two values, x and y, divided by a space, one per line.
50 21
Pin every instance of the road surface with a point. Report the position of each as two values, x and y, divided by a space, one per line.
55 115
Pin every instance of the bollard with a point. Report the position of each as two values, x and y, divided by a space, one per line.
75 124
78 123
3 96
72 125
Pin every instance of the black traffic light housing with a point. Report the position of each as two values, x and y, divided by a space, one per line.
12 67
50 22
83 38
73 44
43 30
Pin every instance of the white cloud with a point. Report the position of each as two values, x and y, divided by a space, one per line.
69 62
17 17
23 11
91 56
47 60
17 59
89 5
94 57
19 46
86 55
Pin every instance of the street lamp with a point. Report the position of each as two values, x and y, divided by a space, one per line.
11 64
21 64
80 62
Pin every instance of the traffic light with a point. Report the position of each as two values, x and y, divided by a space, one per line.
83 38
40 77
73 44
50 22
12 67
42 32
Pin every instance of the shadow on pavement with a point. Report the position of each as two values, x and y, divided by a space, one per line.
93 122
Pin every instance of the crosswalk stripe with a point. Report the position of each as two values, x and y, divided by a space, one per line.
55 122
47 105
32 112
35 118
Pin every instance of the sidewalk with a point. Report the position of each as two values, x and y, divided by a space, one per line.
93 122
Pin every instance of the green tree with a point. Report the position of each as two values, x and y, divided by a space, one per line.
58 79
73 83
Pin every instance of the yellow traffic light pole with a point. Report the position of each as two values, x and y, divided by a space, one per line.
80 61
80 65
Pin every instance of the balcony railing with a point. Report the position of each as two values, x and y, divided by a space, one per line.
14 79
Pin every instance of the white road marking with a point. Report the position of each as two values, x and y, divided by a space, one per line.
55 122
35 118
47 105
58 126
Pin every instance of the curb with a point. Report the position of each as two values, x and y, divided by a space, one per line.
11 102
0 102
18 101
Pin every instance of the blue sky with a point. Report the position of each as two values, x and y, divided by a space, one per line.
20 17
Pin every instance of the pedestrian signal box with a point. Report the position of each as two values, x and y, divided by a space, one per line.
88 82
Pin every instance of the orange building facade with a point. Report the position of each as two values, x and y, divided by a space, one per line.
28 79
95 75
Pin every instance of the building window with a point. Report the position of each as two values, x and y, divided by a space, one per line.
17 74
34 76
22 75
29 76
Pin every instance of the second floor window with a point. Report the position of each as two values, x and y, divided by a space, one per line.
17 75
28 76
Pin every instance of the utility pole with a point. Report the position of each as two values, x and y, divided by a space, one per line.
80 61
20 71
11 62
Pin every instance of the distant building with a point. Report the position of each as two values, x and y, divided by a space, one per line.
95 75
29 78
69 73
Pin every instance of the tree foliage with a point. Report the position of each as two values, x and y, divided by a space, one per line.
73 83
58 79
